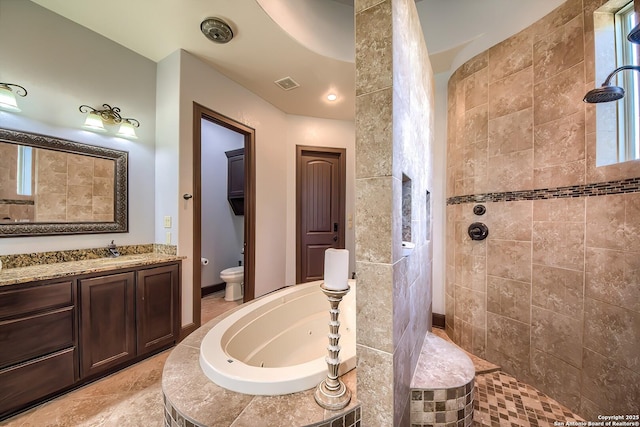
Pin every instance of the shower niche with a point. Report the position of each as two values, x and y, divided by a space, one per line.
407 244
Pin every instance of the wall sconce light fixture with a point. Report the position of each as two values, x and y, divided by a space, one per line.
8 97
97 118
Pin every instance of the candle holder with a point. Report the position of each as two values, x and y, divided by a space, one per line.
331 393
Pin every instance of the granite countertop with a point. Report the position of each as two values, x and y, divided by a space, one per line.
203 402
13 276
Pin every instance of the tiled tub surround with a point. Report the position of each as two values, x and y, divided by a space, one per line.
191 399
552 294
40 258
442 386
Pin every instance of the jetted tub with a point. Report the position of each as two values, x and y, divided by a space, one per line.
278 343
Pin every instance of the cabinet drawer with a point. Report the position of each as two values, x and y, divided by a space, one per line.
28 337
26 383
36 298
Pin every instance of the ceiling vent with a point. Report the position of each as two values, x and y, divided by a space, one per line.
287 83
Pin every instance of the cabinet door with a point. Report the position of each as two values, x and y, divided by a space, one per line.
157 295
235 179
107 322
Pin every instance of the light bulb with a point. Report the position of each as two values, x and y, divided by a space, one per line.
127 130
94 122
8 99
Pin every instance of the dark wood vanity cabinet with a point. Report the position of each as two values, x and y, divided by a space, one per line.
157 300
107 322
38 342
127 315
55 335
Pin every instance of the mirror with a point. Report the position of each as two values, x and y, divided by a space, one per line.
54 186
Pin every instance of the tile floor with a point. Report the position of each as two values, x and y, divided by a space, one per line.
501 400
129 398
133 396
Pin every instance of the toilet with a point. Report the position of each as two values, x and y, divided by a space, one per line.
234 278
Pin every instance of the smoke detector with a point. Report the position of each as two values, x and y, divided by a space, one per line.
287 83
216 30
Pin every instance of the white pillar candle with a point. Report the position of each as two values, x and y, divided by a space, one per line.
336 269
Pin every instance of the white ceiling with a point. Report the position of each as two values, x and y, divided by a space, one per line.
263 52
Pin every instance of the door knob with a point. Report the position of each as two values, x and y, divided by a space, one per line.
335 238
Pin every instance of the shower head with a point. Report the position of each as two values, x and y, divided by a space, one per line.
634 35
608 92
604 94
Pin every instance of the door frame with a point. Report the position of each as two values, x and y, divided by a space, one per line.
342 161
201 112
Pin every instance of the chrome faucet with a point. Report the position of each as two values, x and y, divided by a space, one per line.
113 251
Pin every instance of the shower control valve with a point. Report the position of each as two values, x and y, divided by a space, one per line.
478 231
479 209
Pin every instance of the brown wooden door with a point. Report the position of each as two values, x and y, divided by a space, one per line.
157 313
320 220
107 322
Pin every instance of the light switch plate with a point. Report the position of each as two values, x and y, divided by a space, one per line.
167 238
167 222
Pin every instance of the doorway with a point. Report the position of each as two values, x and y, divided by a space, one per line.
199 113
320 207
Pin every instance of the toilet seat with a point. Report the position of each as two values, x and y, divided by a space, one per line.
232 272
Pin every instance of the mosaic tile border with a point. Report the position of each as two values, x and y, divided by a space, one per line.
631 185
54 257
173 418
350 419
451 407
16 202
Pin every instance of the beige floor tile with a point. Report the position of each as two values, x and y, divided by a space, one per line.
128 398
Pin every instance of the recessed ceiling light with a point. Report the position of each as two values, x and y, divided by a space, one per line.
332 97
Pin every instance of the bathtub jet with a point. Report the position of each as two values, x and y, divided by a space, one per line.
278 343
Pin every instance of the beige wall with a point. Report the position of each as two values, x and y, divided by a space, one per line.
187 79
71 66
394 126
552 295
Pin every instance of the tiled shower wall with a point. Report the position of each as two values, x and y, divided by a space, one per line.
394 122
552 295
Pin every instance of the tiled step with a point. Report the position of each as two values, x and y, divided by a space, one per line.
481 365
442 385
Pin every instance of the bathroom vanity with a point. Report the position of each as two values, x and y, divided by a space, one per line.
65 324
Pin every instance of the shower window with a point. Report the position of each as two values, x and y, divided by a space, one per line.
617 123
627 53
25 162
